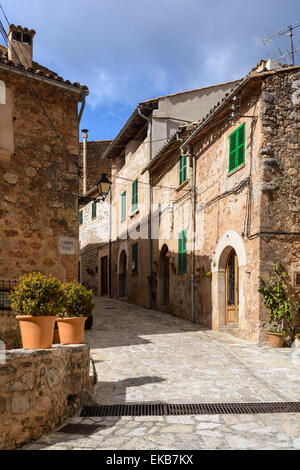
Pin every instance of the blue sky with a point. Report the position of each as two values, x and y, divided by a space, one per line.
130 51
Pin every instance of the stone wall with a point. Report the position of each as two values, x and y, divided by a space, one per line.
10 330
39 390
280 169
39 181
96 164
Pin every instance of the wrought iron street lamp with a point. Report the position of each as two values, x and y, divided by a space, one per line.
103 187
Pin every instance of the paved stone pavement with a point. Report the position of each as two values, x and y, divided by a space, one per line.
146 356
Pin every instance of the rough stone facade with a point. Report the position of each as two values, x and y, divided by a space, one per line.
94 232
39 181
10 330
96 164
39 390
234 211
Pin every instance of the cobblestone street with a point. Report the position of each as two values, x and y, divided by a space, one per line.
147 356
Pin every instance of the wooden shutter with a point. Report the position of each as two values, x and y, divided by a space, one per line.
237 148
134 201
182 170
94 210
80 217
123 206
182 253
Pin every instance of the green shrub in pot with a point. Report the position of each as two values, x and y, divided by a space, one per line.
78 306
37 300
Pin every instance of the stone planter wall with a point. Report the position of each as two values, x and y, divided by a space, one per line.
39 390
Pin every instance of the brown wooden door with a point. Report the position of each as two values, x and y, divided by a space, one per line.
104 275
232 289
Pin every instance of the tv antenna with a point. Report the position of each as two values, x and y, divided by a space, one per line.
288 30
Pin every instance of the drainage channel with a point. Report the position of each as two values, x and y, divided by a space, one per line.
164 409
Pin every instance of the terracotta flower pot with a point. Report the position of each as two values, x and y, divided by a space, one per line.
276 340
71 330
36 332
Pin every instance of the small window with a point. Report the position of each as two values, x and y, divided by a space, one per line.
182 169
17 36
123 206
80 217
94 210
297 279
135 258
182 252
27 39
134 198
237 148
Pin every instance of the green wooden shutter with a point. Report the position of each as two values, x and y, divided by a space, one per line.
135 257
123 206
182 252
237 148
134 200
80 217
94 210
182 170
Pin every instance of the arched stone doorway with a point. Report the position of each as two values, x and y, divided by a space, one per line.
165 275
228 281
123 274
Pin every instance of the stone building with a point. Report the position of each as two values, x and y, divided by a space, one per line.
234 208
94 219
128 253
223 183
39 178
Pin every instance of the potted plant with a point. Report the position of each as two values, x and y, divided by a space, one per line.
36 300
78 306
277 301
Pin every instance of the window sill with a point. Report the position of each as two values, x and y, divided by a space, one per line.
236 169
123 220
185 183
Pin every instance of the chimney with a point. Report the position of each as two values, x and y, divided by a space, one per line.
20 45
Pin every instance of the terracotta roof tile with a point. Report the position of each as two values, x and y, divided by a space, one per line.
37 69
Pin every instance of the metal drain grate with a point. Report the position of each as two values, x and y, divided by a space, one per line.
149 409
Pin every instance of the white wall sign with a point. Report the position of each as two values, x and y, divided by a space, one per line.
67 246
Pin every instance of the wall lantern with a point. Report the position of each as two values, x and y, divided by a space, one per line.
103 187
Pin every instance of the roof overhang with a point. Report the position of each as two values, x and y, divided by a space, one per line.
132 126
60 84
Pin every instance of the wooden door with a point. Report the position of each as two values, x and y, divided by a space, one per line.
232 289
104 275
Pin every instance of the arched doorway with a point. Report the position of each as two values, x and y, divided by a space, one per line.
229 282
232 289
123 274
165 275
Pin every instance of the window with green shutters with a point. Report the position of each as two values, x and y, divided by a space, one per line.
135 258
134 197
94 210
123 206
182 252
237 148
80 217
182 169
